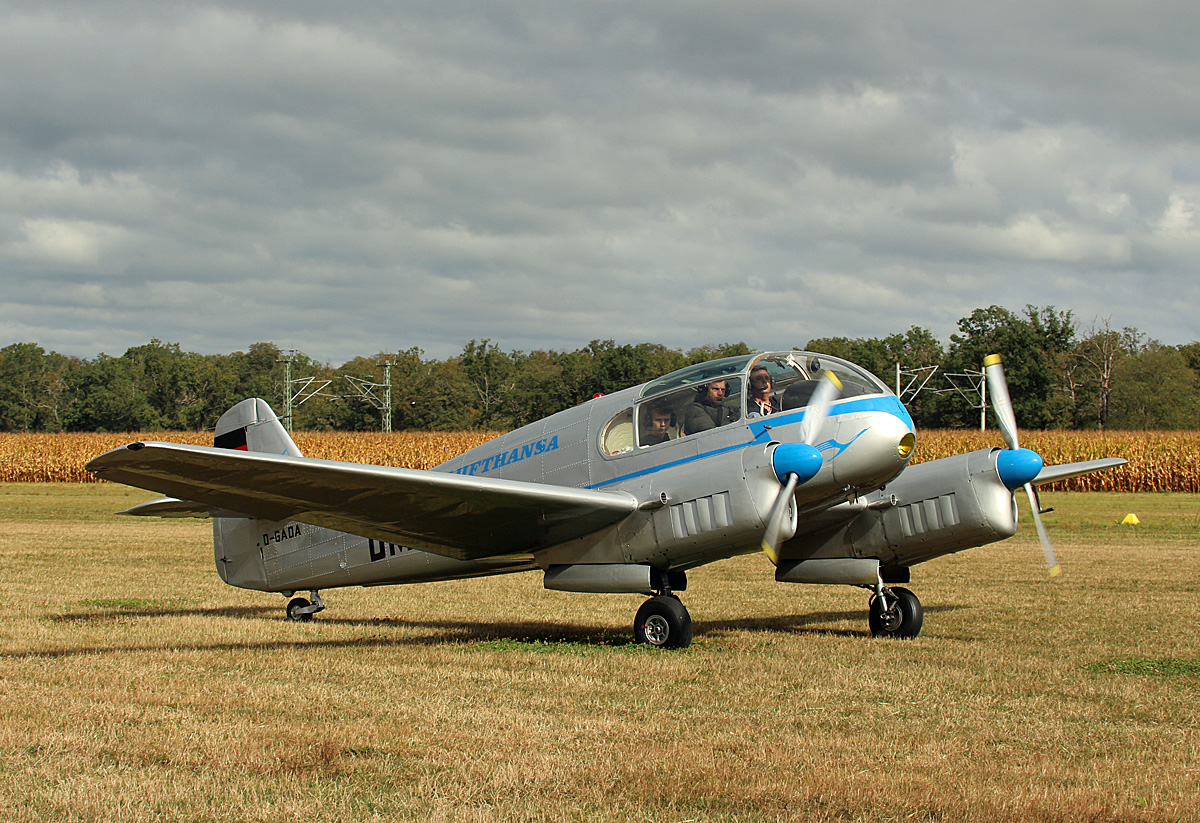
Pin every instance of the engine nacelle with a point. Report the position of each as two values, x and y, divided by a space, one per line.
932 509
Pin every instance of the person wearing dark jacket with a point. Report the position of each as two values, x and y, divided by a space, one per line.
708 410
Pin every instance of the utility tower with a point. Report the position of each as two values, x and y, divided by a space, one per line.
304 389
366 391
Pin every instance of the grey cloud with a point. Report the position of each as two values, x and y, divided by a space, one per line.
348 180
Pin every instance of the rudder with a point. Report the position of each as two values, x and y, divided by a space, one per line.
252 425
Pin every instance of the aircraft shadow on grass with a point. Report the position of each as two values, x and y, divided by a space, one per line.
440 632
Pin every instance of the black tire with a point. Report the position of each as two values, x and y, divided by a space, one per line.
903 620
293 610
663 622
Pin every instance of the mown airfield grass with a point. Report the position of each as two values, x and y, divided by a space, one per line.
136 686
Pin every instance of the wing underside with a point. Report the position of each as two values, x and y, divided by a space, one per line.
466 518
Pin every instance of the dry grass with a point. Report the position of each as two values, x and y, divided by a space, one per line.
1158 461
138 687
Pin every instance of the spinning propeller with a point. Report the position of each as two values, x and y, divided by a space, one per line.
796 463
1017 463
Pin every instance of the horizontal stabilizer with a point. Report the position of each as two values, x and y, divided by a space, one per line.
1065 471
168 507
173 507
467 518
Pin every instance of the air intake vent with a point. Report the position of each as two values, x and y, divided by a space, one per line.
929 515
704 514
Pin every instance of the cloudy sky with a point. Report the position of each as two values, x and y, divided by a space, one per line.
352 178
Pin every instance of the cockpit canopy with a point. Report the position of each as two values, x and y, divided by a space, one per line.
720 392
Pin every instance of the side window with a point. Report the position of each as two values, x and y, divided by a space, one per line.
688 410
617 437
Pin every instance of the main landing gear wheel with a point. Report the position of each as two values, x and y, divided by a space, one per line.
663 621
896 613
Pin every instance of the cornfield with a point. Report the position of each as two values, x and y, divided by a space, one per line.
60 458
1158 461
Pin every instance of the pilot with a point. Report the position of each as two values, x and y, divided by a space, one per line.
760 400
656 426
708 410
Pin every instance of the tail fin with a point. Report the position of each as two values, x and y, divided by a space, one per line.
252 426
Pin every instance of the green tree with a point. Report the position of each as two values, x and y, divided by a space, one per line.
1154 388
1029 346
915 348
619 367
109 399
439 396
702 354
34 388
492 374
1087 372
539 389
259 373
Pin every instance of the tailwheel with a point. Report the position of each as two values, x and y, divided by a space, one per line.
895 612
300 610
663 621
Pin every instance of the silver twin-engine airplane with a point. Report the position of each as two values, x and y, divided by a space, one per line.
800 455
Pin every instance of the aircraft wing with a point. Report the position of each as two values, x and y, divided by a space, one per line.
457 516
1064 471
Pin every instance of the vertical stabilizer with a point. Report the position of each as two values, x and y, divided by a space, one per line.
252 426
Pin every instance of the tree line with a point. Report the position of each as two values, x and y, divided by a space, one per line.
1060 374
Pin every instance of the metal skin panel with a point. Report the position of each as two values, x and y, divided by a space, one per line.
600 578
286 556
847 571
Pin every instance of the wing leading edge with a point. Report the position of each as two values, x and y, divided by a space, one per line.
1065 471
466 518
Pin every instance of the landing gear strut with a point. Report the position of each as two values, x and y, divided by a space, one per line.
300 610
895 612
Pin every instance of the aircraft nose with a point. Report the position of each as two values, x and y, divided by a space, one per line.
799 459
1017 467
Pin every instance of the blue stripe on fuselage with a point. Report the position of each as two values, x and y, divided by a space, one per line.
760 428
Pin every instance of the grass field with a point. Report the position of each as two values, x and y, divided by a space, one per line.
135 686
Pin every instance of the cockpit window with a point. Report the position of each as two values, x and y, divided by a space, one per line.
714 394
701 371
688 410
795 376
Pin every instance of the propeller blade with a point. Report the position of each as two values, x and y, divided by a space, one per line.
1047 549
1015 464
770 542
818 407
799 462
1001 402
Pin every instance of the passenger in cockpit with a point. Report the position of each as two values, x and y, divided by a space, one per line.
760 400
708 411
656 426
